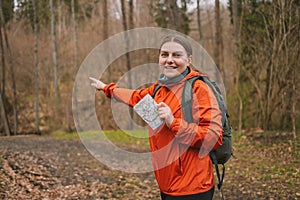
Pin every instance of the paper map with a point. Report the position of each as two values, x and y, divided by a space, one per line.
146 108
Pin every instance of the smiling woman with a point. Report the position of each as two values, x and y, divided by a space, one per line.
174 57
181 172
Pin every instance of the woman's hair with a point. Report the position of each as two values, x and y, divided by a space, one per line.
183 41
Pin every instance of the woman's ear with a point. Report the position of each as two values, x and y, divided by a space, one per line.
190 59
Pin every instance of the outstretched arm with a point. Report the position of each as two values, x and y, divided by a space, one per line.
127 96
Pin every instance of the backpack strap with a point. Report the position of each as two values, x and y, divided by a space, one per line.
220 180
219 97
157 87
187 97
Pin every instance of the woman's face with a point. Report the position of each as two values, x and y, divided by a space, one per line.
173 59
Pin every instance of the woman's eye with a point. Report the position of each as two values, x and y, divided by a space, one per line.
164 54
177 55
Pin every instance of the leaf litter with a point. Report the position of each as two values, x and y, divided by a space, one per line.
35 167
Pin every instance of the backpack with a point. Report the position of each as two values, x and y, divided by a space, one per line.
222 154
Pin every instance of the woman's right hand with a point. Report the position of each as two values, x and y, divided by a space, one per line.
165 113
97 84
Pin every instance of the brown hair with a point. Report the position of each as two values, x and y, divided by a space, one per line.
183 41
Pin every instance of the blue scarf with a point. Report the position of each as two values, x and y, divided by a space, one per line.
165 80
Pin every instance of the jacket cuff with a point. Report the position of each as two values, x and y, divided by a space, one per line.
108 89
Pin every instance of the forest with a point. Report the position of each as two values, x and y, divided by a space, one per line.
254 44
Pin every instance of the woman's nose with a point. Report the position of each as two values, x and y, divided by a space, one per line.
170 59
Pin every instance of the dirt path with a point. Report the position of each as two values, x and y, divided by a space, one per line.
34 167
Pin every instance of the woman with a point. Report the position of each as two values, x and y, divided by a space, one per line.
182 170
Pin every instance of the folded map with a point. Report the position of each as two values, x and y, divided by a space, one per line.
146 108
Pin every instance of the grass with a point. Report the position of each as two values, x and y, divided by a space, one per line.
137 138
63 135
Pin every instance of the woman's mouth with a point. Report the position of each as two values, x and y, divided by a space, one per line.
170 67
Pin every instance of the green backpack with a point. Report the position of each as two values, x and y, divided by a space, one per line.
222 154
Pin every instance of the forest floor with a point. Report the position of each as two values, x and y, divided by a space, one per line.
266 166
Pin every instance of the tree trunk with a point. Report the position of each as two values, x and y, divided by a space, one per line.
4 117
54 54
36 67
59 19
293 99
68 120
219 41
75 36
105 35
131 24
75 42
199 23
12 73
294 82
236 23
2 66
2 92
125 28
128 65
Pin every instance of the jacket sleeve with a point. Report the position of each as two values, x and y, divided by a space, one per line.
206 131
127 96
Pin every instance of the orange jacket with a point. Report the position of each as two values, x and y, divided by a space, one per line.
180 154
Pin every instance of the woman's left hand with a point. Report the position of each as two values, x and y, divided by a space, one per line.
165 113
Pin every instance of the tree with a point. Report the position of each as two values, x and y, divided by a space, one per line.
199 23
75 35
131 13
75 42
168 14
2 93
266 69
7 10
236 18
54 53
12 70
219 41
127 41
36 67
105 32
4 117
